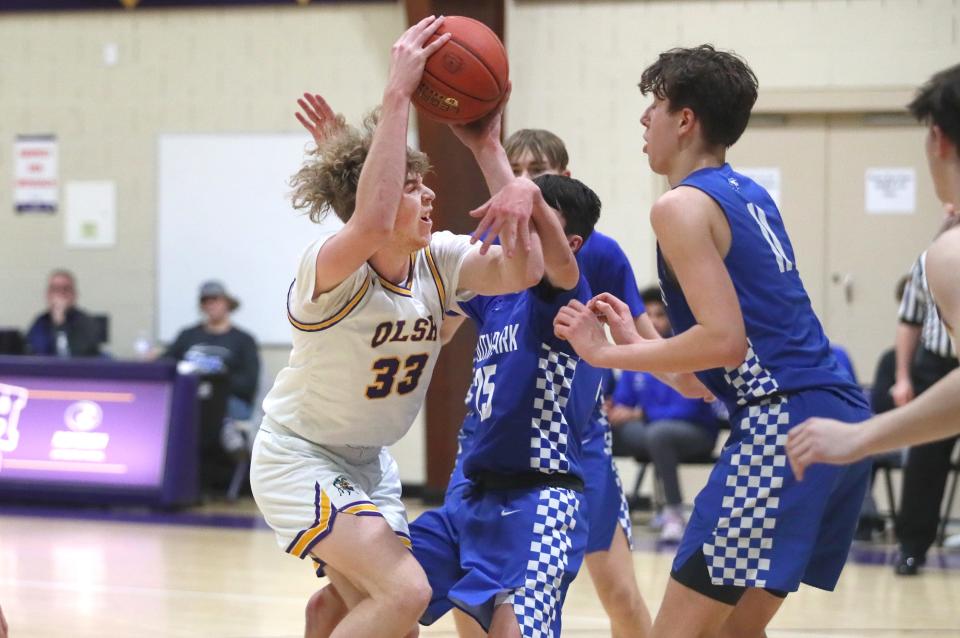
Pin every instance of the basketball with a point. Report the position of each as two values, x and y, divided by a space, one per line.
466 77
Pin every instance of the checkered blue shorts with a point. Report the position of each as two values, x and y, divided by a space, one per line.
756 524
516 547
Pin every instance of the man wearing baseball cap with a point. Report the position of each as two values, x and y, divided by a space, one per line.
215 345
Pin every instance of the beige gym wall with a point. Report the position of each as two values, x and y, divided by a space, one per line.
179 71
574 66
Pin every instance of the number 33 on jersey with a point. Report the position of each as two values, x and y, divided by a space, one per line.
363 353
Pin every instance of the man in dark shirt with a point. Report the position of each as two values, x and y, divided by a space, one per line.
216 345
64 330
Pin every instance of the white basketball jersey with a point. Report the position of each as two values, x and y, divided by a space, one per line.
364 352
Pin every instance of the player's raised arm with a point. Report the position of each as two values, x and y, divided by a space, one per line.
483 139
384 173
493 272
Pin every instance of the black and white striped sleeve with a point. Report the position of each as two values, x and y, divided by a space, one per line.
913 306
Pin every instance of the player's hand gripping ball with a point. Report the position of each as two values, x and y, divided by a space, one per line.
465 78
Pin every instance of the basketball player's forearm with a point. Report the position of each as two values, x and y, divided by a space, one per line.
645 327
932 416
383 175
690 351
513 274
646 330
559 262
905 346
494 165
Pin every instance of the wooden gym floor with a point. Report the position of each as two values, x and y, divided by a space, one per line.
217 572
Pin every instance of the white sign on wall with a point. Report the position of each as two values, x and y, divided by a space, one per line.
91 214
890 190
35 174
767 176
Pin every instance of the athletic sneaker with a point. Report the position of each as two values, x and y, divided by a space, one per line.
672 530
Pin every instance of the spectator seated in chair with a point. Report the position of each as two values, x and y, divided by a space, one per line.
64 330
216 346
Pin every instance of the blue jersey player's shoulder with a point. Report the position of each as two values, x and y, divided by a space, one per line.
787 350
476 307
608 269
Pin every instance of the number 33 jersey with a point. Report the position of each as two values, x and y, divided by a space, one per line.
363 352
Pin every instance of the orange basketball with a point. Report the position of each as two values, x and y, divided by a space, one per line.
466 77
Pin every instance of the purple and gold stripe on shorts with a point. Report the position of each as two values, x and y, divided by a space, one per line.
322 524
361 508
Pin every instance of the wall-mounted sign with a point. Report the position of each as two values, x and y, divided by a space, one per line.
890 190
35 174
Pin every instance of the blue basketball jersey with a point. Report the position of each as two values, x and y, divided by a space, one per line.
787 349
531 394
607 269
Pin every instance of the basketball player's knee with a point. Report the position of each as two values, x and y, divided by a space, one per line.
326 603
621 598
411 595
738 627
418 594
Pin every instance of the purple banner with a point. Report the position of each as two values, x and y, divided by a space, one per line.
83 431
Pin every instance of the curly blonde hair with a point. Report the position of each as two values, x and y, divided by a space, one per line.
330 176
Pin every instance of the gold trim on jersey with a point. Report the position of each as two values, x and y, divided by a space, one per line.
406 291
400 290
331 321
437 279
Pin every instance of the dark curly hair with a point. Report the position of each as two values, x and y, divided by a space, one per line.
579 205
329 178
717 86
938 102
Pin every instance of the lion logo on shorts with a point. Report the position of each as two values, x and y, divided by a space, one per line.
343 485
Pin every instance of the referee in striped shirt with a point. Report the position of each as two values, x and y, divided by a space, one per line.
924 355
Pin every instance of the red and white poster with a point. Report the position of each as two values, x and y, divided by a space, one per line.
35 188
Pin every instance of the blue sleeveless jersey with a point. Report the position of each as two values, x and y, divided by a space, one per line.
607 269
788 351
531 395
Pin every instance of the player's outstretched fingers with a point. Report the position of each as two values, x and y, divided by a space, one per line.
436 44
563 322
426 28
485 221
307 125
524 236
320 106
492 233
615 302
604 311
508 236
315 115
798 450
